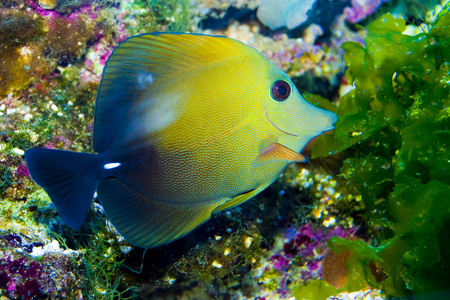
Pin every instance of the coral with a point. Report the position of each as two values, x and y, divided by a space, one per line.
300 257
56 271
22 277
334 204
12 272
37 39
297 58
35 43
393 131
214 10
288 14
218 263
11 240
360 9
18 65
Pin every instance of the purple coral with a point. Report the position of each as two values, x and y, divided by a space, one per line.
34 270
22 171
105 57
17 277
308 244
4 278
17 266
303 241
12 240
361 9
307 239
30 289
280 263
50 14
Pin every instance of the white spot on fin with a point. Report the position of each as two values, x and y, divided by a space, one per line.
111 166
144 79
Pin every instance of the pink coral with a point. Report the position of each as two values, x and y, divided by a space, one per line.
307 245
280 263
17 276
22 171
361 9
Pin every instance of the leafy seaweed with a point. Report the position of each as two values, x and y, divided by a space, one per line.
359 271
394 129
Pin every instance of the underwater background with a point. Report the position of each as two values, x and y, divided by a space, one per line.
367 218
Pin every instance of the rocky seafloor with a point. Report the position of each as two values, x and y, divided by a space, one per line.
364 219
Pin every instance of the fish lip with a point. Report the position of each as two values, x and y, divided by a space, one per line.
332 127
281 130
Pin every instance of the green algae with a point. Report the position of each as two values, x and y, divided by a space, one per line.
103 261
98 257
6 179
394 130
359 271
151 15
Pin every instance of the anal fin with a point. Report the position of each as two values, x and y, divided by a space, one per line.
146 222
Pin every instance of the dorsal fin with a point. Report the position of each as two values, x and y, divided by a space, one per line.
142 63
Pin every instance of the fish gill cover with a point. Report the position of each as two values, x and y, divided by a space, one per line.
394 130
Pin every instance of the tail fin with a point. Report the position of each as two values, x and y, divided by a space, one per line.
69 178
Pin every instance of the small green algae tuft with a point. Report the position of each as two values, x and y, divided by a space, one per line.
102 254
151 15
394 131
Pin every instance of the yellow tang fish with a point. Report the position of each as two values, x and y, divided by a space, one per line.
186 125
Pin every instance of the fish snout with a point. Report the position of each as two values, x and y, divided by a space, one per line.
332 119
316 121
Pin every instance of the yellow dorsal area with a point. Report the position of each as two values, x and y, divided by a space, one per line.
211 111
153 72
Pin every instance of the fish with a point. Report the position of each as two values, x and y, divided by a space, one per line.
185 126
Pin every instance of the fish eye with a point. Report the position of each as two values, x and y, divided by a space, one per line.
281 90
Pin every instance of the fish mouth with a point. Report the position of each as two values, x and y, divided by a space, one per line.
279 129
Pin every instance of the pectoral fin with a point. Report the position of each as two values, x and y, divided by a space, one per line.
277 152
